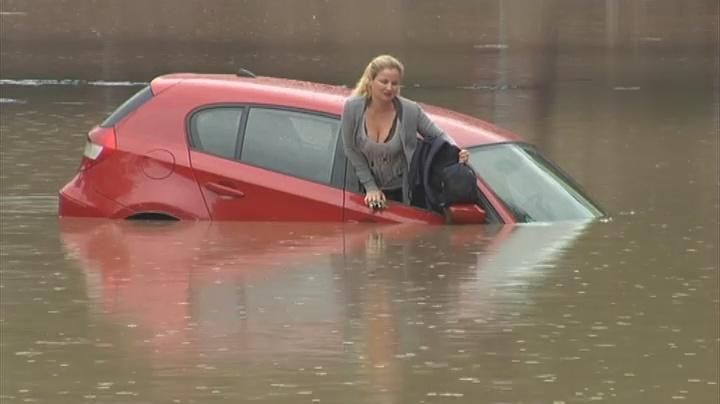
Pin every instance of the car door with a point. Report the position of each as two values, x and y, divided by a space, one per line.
257 163
395 212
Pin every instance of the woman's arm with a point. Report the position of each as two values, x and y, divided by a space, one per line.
357 159
428 129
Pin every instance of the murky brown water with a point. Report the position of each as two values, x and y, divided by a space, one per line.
96 311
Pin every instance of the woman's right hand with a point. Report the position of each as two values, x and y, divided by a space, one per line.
376 198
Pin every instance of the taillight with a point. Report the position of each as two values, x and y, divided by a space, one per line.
100 143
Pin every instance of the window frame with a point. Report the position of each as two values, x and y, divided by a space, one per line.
338 169
191 135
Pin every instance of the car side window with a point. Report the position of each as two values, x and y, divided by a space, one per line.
215 130
296 143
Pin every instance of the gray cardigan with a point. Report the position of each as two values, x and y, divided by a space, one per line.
411 121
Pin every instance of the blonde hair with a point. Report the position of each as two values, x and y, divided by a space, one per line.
373 68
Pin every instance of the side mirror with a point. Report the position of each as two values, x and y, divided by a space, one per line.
465 214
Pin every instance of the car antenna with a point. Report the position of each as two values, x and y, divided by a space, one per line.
245 73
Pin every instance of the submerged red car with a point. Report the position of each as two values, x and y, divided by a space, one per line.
247 148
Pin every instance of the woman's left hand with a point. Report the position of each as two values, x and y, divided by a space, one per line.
463 156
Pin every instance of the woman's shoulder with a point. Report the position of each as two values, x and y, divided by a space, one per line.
353 107
354 101
407 101
408 105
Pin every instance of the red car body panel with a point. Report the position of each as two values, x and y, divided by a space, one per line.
395 212
237 191
76 200
154 169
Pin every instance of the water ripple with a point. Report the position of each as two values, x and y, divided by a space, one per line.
28 204
70 82
11 101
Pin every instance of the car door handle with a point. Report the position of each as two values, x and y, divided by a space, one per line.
224 190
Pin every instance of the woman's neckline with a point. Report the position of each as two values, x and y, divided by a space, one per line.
391 131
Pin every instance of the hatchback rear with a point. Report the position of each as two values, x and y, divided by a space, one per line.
135 165
83 196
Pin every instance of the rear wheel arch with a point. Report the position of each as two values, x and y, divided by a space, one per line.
161 210
155 216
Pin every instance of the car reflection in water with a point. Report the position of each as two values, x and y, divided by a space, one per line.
264 292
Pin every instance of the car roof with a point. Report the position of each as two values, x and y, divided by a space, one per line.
467 131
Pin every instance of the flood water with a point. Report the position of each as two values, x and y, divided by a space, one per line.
619 311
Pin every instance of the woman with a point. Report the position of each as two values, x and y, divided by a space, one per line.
379 130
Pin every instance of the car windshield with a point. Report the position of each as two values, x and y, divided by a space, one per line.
529 185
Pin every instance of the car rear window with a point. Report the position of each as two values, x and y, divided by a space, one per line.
132 103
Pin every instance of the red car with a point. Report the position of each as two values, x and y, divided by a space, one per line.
240 147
